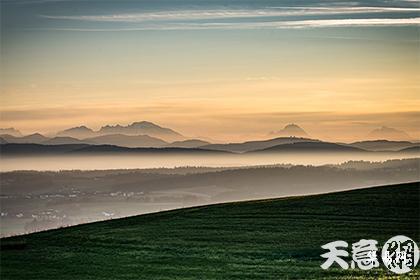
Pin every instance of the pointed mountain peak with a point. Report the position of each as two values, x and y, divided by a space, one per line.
78 128
78 132
293 127
291 130
388 133
83 127
143 124
35 135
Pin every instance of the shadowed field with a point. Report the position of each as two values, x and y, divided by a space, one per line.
264 239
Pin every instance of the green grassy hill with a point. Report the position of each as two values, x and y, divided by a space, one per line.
265 239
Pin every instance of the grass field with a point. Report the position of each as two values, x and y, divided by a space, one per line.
265 239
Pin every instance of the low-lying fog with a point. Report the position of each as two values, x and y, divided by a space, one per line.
102 162
34 200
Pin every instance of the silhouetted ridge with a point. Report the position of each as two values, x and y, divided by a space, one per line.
311 147
26 149
256 145
382 145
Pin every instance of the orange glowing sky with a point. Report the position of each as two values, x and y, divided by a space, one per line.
230 83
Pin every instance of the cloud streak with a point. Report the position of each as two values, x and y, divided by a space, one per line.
267 18
318 23
351 22
221 14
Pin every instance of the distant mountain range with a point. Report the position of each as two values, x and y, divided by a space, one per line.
388 133
130 141
143 128
280 144
134 129
11 131
145 134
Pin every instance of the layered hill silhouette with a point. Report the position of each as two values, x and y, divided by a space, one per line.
11 149
311 147
256 145
118 143
146 134
382 145
414 149
65 140
191 143
131 141
38 149
35 138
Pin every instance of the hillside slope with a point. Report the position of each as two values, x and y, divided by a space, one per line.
265 239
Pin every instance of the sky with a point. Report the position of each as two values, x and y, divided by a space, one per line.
224 70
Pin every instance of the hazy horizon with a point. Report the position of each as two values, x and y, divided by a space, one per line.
39 200
235 139
224 70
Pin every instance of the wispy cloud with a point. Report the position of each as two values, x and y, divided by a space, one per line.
34 2
267 18
350 22
219 14
319 23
